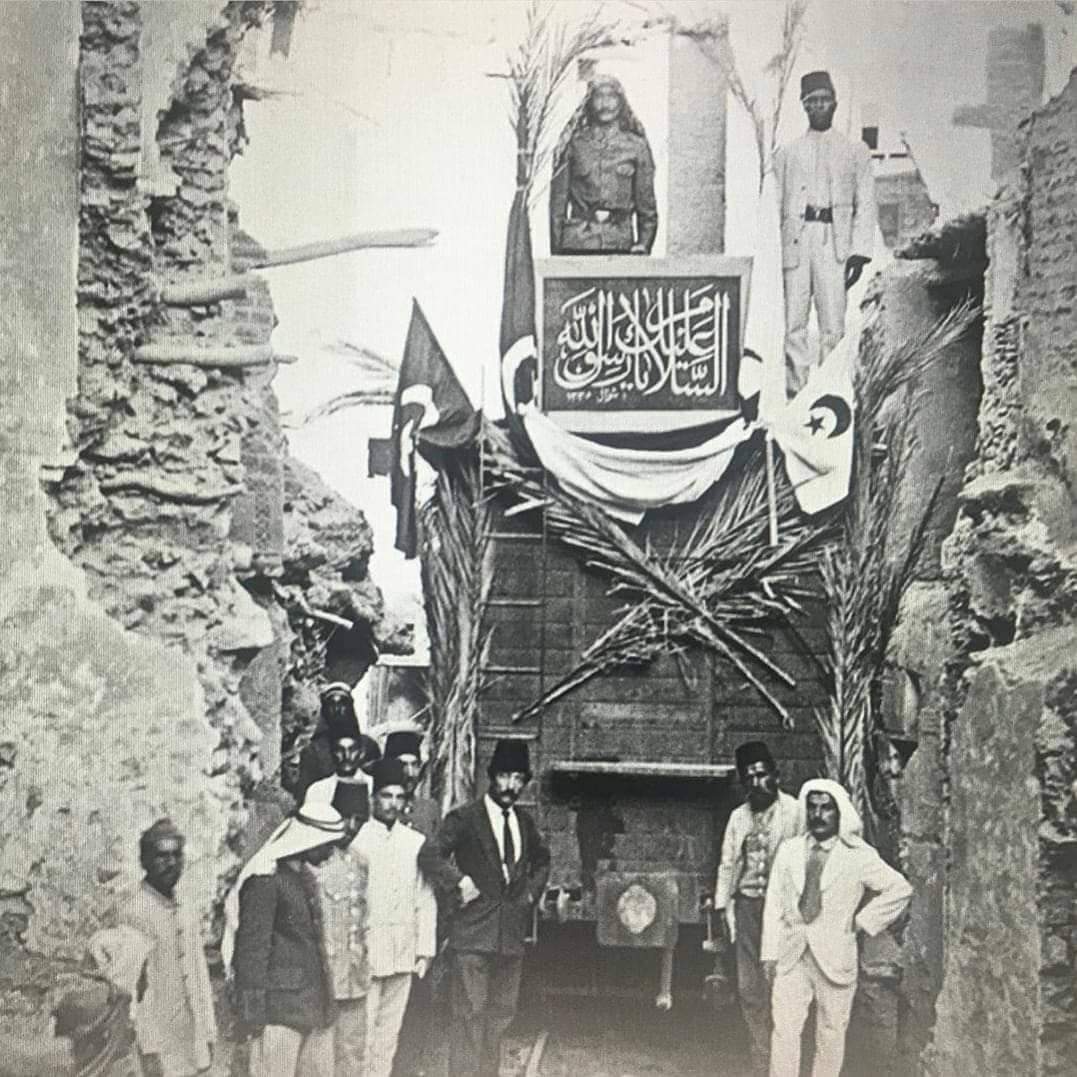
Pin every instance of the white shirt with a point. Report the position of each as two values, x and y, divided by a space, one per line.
401 914
497 824
819 149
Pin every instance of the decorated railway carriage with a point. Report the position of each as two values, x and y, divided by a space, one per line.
632 739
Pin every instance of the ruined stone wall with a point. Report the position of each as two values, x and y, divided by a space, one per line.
1007 998
144 650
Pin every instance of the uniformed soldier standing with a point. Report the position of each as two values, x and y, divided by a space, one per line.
602 189
826 197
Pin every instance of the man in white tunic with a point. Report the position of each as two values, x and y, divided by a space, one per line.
401 914
826 196
174 1020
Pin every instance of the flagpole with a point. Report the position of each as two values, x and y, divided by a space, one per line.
772 499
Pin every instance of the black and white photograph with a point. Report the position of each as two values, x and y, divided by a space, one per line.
538 538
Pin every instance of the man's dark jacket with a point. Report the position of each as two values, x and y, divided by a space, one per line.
498 920
279 965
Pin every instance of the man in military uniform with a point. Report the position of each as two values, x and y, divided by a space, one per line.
602 189
826 197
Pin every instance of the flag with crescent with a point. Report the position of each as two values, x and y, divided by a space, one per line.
815 430
519 350
431 413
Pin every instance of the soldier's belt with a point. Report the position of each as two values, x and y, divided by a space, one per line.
607 216
819 213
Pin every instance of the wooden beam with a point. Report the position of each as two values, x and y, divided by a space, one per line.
194 355
401 237
196 293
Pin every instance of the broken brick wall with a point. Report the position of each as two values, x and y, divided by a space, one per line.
1009 931
163 552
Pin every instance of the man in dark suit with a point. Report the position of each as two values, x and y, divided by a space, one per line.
490 858
284 993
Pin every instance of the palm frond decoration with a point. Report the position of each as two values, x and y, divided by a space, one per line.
721 587
866 575
456 575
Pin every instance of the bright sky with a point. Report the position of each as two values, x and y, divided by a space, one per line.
388 118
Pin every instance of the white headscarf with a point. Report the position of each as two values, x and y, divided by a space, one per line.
850 828
312 825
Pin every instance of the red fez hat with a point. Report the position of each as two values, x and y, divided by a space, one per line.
510 755
403 742
388 771
752 751
814 81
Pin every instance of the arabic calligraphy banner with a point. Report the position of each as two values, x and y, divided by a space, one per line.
640 343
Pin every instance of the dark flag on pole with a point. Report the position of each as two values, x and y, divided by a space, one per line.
431 412
519 352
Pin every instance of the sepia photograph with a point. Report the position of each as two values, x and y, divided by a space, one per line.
538 538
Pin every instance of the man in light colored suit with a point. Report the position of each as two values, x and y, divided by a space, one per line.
826 197
810 920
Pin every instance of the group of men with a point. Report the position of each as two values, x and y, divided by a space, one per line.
334 920
602 201
792 882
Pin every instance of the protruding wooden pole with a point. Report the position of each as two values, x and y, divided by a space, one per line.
195 293
188 352
401 237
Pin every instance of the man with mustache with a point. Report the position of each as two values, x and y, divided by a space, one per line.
489 858
815 907
752 836
826 197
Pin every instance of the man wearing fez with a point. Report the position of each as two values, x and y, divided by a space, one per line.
752 836
491 860
826 198
814 908
338 752
401 914
420 813
602 188
273 941
159 942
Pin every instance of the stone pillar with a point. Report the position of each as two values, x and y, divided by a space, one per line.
695 217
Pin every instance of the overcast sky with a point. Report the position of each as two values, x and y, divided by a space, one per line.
389 118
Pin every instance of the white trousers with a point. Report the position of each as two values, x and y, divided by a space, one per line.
790 1000
284 1052
819 276
385 1004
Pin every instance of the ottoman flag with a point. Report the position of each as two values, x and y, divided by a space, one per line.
431 413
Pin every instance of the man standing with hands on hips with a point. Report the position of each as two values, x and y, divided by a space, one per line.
826 198
491 860
814 908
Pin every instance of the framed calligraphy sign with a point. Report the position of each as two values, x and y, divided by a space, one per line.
635 343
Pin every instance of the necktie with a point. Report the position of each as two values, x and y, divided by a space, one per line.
508 850
811 900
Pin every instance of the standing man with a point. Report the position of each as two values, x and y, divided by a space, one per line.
826 198
490 858
814 908
602 187
419 1034
752 836
420 813
351 754
337 722
283 991
174 1022
342 893
401 923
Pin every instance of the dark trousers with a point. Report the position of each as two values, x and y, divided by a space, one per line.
485 988
752 987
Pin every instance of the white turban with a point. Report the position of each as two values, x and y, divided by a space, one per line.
850 828
312 825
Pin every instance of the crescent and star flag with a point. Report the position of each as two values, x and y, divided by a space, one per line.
519 351
431 413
